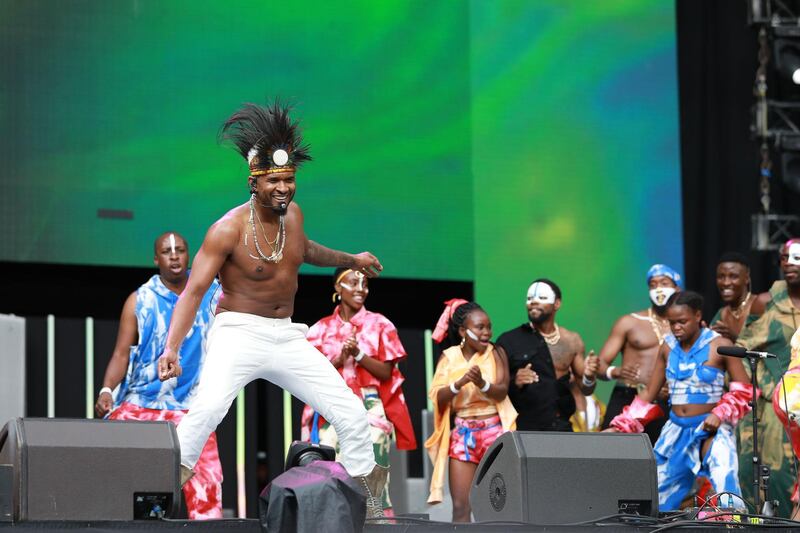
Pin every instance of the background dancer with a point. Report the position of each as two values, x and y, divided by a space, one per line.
699 437
134 366
471 384
365 348
639 336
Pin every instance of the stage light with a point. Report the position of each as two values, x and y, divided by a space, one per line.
787 59
303 453
789 145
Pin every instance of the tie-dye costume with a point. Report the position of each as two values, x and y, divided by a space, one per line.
142 396
473 435
771 332
786 399
677 451
386 407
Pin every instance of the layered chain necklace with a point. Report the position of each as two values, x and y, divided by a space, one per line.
737 313
552 338
657 324
280 238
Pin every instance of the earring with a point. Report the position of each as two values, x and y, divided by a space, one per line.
463 341
335 297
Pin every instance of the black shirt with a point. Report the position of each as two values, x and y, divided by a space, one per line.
536 403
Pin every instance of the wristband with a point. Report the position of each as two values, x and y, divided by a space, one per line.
608 373
453 388
586 382
105 389
486 386
360 356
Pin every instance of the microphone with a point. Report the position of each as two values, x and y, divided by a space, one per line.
738 351
283 205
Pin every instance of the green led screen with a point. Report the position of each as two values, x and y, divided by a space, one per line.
575 156
468 140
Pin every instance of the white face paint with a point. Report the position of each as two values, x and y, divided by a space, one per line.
471 334
794 253
660 295
359 283
541 293
172 243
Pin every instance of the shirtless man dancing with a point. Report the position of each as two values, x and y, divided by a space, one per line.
257 249
639 336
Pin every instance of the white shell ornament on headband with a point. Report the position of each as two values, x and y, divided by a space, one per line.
280 157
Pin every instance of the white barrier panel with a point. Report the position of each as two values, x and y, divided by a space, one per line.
12 367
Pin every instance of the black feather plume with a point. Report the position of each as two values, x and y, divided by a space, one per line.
267 129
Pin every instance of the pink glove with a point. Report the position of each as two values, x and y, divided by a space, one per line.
735 403
636 416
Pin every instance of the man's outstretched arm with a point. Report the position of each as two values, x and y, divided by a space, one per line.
218 244
319 255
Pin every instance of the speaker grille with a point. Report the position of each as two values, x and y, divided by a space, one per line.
497 492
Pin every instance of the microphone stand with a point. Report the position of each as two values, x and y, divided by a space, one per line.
756 458
761 472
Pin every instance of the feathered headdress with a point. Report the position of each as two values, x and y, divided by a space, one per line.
267 138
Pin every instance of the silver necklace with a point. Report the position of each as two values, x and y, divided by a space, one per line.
280 239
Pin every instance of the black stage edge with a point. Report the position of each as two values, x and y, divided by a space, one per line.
188 526
253 526
78 291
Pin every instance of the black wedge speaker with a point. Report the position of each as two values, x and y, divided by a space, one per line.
64 469
554 478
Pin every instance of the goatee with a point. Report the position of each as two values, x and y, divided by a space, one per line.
540 319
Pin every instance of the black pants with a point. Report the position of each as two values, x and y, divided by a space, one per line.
622 396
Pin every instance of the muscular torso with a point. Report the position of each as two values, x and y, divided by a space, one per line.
641 345
252 285
564 351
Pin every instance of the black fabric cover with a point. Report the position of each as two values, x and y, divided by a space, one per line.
317 498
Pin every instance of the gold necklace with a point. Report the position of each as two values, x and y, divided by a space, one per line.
271 244
552 338
737 313
657 325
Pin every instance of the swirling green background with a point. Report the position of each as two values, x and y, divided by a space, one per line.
493 141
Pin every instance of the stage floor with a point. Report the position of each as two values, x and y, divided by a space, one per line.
253 526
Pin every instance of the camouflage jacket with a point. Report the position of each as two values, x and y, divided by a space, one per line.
771 332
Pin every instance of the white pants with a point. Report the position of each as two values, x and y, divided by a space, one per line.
242 347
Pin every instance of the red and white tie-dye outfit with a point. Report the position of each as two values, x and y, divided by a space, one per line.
142 396
203 492
387 412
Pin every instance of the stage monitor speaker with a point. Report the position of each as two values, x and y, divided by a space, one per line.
91 469
551 478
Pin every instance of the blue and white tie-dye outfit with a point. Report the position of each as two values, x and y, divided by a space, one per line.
678 448
141 386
